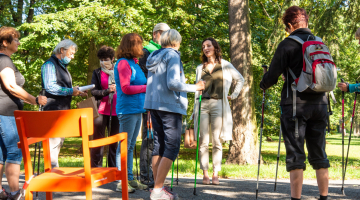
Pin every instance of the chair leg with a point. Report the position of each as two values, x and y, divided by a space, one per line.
88 193
49 196
28 195
124 185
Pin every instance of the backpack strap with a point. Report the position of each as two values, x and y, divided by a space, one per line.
296 38
318 39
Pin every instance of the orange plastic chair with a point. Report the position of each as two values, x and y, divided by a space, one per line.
40 126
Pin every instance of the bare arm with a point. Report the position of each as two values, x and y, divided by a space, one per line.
7 76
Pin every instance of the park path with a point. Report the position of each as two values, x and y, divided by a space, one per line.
228 189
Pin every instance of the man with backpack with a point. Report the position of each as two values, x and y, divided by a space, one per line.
303 100
153 45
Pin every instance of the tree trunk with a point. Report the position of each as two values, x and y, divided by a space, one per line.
243 147
17 16
93 60
30 16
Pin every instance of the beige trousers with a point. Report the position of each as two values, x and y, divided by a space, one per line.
211 116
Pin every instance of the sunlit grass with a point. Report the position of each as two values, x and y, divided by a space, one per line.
70 156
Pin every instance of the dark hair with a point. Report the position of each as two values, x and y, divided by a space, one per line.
7 34
217 50
294 15
130 46
106 52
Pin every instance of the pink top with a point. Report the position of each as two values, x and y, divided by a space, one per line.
125 76
104 107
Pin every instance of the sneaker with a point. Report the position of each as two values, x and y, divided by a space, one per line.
168 189
3 195
119 188
137 185
162 195
16 196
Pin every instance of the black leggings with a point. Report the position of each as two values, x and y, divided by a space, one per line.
99 132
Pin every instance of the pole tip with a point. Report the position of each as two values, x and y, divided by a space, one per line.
194 191
257 193
275 187
343 191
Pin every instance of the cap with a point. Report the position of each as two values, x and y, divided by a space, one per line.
161 27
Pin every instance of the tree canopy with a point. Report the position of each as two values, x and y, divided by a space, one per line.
92 23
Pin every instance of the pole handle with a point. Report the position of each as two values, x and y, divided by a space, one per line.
265 68
342 80
42 93
201 91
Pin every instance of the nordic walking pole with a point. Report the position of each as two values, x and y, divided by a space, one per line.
278 157
197 141
261 131
111 96
172 175
147 143
41 108
347 154
177 171
343 132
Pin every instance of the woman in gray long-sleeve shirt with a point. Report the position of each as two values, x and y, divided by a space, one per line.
166 98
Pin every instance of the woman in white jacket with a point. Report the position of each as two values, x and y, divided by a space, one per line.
215 109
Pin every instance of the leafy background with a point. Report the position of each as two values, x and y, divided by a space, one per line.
90 24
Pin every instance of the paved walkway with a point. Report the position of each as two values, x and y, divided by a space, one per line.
228 189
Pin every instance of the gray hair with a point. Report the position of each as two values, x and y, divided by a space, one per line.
170 38
65 44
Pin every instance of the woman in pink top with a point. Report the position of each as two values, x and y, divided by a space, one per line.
104 81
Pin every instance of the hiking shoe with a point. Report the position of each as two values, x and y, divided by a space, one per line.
130 189
162 195
137 185
16 196
150 184
168 189
3 195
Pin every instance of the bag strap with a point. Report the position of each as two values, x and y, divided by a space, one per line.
296 38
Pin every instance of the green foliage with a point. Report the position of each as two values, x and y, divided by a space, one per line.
106 21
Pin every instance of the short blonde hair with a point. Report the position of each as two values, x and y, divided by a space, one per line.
170 38
357 34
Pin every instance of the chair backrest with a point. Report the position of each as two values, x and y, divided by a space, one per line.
53 124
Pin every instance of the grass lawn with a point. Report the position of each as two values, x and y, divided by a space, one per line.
70 156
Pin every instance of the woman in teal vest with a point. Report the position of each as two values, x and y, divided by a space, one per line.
131 87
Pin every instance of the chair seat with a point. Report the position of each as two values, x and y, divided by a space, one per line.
70 179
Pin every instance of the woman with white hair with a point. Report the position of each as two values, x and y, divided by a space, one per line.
57 82
167 101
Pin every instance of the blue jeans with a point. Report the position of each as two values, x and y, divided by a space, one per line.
9 151
129 123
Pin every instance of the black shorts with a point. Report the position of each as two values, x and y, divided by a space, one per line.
167 133
312 121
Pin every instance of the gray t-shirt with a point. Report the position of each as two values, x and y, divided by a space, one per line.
8 102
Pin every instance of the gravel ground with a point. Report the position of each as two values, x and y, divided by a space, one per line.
228 189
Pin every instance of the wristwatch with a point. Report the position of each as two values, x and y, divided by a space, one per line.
37 100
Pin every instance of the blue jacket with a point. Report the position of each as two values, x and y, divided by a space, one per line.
130 104
166 89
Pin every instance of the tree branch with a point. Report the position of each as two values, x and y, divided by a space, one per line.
262 5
